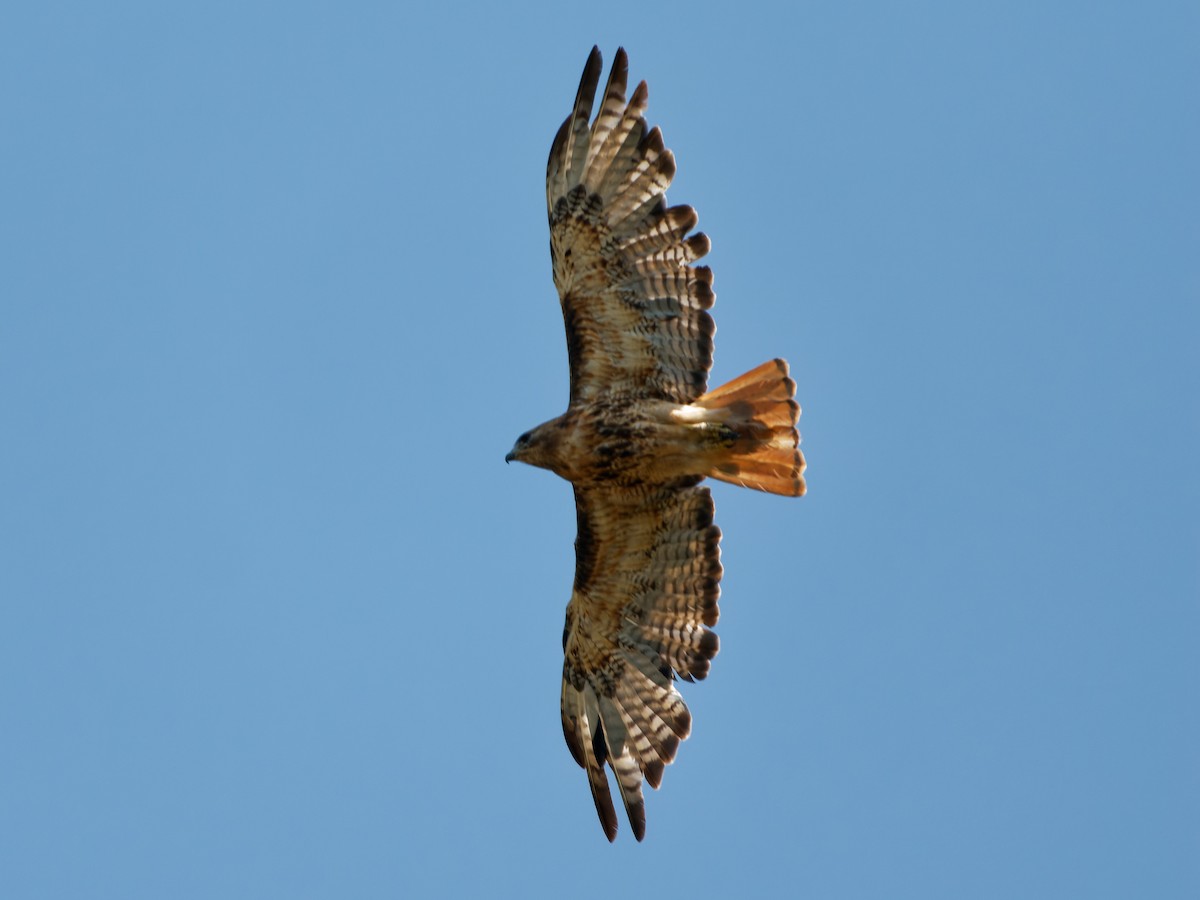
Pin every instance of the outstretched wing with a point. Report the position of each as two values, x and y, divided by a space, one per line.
648 568
633 306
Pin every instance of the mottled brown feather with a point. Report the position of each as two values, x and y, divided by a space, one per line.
631 305
647 582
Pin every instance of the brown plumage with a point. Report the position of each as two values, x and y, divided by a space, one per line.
638 436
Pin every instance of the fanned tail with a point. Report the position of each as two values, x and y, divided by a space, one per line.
758 414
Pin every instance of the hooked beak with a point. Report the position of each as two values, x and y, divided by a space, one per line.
510 457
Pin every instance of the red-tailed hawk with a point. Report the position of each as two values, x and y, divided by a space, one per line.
639 435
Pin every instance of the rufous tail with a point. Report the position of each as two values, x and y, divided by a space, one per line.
758 414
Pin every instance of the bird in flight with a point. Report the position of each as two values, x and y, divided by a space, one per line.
640 433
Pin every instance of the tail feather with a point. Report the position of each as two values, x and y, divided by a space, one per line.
760 447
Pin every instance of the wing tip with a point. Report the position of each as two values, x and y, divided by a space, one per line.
604 805
588 82
638 824
610 828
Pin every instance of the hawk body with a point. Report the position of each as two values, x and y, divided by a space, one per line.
640 432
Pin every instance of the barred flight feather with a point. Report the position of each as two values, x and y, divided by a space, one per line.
614 242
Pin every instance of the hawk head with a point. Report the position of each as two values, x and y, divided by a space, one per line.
520 448
539 446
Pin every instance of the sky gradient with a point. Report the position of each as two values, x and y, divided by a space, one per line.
275 300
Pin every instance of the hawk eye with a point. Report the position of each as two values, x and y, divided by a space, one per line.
524 439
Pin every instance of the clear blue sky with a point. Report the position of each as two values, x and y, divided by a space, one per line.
276 620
